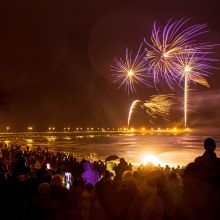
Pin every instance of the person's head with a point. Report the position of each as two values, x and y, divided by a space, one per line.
209 145
127 175
44 189
122 160
56 180
87 166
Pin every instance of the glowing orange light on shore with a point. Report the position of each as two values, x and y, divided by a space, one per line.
150 159
30 128
29 140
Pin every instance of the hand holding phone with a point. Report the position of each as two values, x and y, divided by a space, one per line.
48 166
68 179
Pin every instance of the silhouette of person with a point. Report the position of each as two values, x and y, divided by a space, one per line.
122 166
208 160
201 184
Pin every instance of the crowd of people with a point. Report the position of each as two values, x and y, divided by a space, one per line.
40 184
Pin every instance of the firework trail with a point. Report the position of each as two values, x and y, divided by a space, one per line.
130 71
168 42
192 67
132 109
158 106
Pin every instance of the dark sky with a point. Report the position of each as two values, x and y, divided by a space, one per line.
55 59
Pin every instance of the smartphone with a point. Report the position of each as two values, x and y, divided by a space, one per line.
48 166
68 180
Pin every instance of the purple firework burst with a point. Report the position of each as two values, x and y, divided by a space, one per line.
167 43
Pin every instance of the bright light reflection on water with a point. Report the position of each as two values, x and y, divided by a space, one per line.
178 149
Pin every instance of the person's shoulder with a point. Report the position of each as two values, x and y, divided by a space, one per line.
198 159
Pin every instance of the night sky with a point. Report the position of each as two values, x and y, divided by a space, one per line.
55 59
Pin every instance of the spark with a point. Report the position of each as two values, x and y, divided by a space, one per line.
158 106
132 109
130 71
168 42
